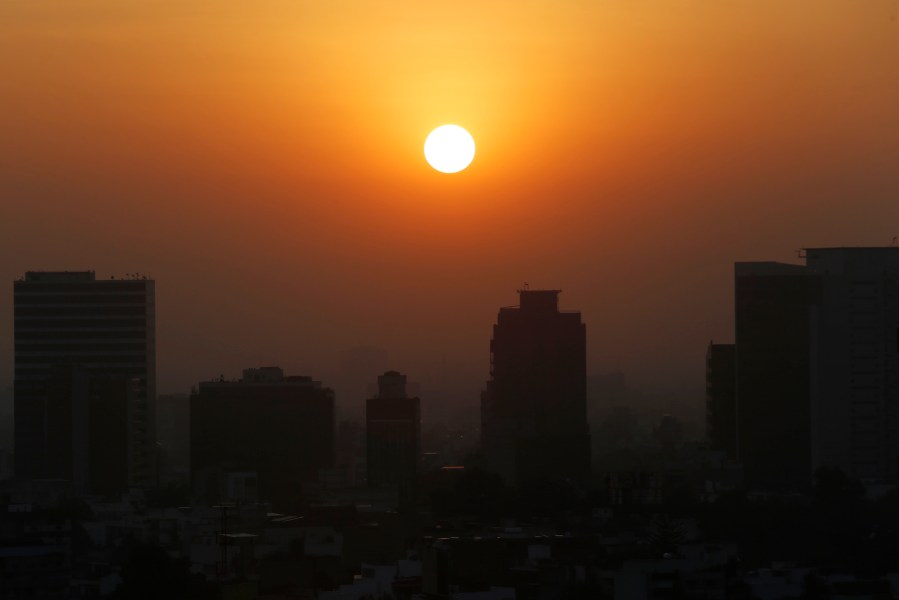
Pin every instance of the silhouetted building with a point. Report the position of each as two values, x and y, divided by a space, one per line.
81 344
6 418
817 360
267 431
87 421
772 370
393 435
533 412
721 398
173 437
669 434
854 334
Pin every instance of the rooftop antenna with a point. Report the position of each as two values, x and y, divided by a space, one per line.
525 285
895 242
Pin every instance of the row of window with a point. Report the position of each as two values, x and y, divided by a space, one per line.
79 311
34 287
78 299
82 346
134 364
102 334
40 367
52 325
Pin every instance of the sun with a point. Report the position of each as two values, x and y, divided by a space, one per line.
449 148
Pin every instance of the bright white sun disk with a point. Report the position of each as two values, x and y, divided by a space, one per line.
449 149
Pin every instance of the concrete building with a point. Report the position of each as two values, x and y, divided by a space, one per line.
817 367
82 342
393 435
533 411
280 428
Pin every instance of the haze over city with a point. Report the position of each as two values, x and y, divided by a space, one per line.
395 300
262 162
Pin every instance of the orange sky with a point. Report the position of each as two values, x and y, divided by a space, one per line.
263 162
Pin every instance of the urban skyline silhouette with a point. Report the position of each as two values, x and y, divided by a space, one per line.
261 337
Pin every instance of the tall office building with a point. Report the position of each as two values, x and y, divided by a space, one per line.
393 435
854 335
85 361
268 432
817 367
721 398
534 409
772 374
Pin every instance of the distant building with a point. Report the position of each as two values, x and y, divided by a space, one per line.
393 435
817 361
721 398
81 344
533 412
355 367
173 437
279 427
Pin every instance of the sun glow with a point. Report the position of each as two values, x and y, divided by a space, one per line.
449 149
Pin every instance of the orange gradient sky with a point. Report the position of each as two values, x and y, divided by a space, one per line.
263 161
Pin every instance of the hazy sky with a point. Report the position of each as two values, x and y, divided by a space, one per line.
262 161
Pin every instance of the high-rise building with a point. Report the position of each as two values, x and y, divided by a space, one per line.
533 412
721 398
268 431
86 421
817 367
854 335
83 342
772 374
393 435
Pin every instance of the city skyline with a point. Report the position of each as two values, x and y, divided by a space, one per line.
626 154
281 495
259 337
439 377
